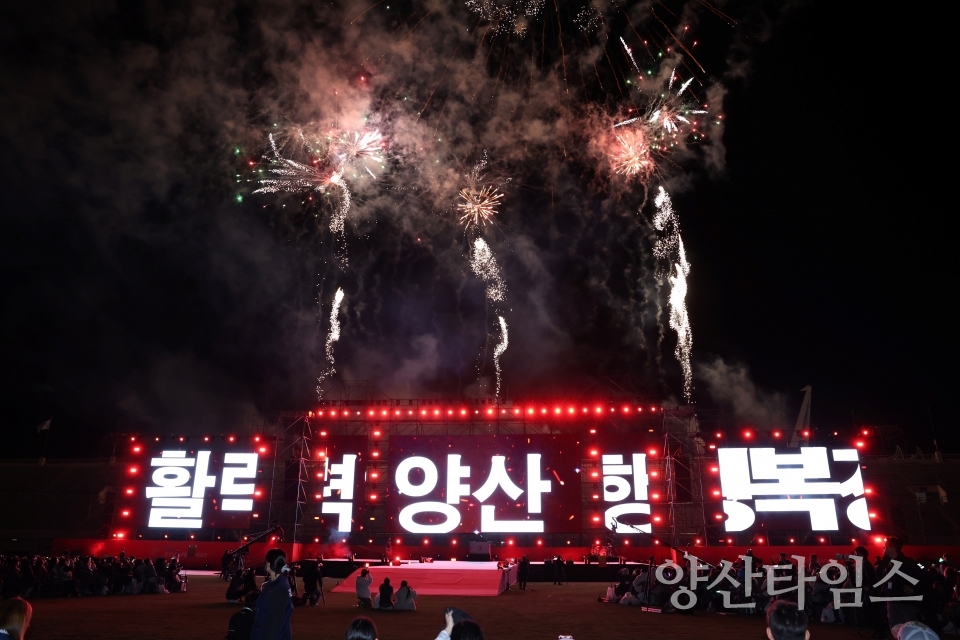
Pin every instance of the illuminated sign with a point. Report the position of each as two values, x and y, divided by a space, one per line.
181 483
757 480
491 484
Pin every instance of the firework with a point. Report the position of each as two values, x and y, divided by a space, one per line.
484 265
670 249
630 53
506 16
480 197
478 207
332 337
588 19
295 177
357 148
669 112
633 157
500 349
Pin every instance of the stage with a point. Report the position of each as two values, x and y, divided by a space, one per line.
441 578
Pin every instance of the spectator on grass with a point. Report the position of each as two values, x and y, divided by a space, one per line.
361 629
15 616
523 572
405 598
312 582
786 622
385 597
363 589
466 630
275 604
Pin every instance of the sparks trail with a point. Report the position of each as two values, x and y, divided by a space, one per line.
499 351
332 337
673 260
484 266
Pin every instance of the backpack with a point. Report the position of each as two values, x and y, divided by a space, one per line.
241 623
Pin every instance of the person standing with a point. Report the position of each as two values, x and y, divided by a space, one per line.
523 571
275 604
557 570
363 589
873 612
312 582
904 582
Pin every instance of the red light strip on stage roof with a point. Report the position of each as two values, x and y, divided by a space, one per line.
517 412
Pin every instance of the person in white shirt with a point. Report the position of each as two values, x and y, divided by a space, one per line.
364 580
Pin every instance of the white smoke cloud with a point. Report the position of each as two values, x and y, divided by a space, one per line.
731 386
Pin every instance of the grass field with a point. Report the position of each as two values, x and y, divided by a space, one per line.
543 612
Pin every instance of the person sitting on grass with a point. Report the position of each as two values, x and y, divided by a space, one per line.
385 597
786 622
406 598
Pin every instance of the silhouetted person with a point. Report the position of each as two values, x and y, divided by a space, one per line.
523 572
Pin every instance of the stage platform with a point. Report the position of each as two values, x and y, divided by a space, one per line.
441 578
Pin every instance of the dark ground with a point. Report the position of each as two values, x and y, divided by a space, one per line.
541 613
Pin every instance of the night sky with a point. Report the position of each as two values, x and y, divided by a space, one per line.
145 287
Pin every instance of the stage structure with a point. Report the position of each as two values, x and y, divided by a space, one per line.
367 474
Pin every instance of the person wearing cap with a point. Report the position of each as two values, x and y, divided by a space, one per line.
785 621
914 631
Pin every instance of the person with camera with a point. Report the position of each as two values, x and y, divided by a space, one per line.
272 619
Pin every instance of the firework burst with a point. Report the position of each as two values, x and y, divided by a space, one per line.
633 158
480 198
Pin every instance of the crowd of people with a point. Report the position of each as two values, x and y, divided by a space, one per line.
269 613
34 576
935 584
403 599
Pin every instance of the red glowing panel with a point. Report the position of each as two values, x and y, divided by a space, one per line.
125 512
654 473
263 449
593 452
859 445
323 433
133 469
596 518
599 410
136 449
718 516
374 475
129 492
594 474
656 518
557 410
376 434
655 496
716 492
652 452
376 454
373 496
593 430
